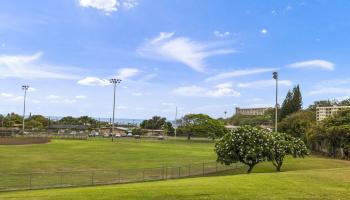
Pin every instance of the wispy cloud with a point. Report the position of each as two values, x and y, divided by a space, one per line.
264 83
330 90
313 64
129 4
182 49
80 97
30 67
221 90
108 6
93 81
221 34
11 97
125 73
237 73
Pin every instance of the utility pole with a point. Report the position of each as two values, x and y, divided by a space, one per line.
275 76
25 88
114 82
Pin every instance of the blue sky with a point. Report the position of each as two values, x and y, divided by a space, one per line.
199 55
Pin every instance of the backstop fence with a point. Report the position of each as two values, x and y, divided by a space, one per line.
41 180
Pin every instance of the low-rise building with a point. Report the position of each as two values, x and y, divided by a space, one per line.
327 111
251 111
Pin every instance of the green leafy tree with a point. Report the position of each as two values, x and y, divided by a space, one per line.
168 128
156 122
332 134
12 119
201 125
298 124
69 120
281 145
240 120
292 103
246 144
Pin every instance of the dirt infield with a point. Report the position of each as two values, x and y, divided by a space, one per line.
23 141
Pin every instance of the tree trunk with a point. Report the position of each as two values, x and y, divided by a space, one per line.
250 168
278 168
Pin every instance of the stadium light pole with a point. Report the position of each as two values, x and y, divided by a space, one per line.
175 121
25 88
275 76
114 81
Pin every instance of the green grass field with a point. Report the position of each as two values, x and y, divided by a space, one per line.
73 155
310 178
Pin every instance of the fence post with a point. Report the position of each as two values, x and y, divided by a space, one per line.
179 171
163 173
92 178
166 173
119 175
61 177
189 170
203 168
30 181
216 167
143 174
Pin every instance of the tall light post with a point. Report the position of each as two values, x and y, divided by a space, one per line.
114 81
275 76
25 88
175 121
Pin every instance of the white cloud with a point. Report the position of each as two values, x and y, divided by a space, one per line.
148 77
313 64
93 81
11 97
69 101
30 67
136 94
221 90
6 95
129 4
52 96
181 49
125 73
80 97
31 89
106 6
221 34
17 98
330 90
264 31
167 104
35 101
237 73
264 83
122 107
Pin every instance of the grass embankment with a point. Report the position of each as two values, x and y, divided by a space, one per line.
310 178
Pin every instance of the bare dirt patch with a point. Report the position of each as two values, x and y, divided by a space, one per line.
23 141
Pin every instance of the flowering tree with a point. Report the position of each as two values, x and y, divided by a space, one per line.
282 144
246 144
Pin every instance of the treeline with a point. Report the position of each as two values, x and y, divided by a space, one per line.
330 136
40 122
191 125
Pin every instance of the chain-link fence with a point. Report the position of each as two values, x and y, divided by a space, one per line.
27 181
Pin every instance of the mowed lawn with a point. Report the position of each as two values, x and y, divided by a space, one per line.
310 178
71 155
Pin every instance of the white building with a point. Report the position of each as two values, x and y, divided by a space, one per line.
327 111
251 111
